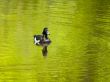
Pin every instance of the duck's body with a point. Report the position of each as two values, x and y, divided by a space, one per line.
42 39
39 40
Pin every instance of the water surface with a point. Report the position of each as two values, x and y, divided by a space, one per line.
80 46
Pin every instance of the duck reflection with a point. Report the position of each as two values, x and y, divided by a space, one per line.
45 50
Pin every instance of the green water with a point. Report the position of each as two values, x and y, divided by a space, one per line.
80 34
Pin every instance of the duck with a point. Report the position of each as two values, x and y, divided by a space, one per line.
43 38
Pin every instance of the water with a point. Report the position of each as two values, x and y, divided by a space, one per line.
80 48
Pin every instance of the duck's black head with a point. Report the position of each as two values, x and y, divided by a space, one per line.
45 29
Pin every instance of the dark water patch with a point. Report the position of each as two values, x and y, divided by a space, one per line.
99 29
92 48
89 74
101 32
100 22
